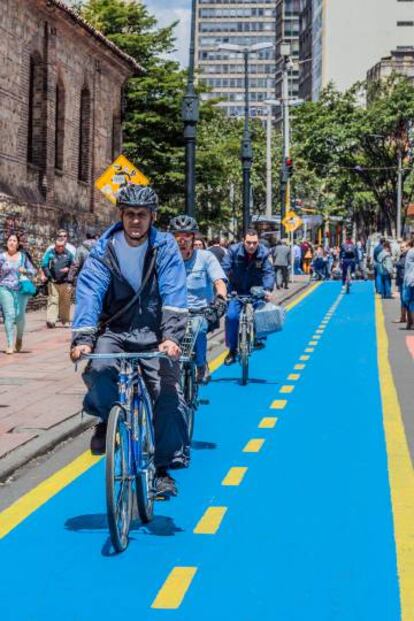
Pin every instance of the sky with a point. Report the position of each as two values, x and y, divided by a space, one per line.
168 11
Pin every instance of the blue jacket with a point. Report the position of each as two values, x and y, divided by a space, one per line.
102 290
244 274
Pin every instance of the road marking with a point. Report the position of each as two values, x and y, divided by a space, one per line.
299 367
278 404
309 350
210 521
27 504
293 377
173 591
304 358
217 362
400 468
268 422
320 331
234 476
287 389
254 445
313 342
316 337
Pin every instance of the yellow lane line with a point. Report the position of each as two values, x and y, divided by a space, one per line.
299 367
210 521
316 337
320 331
234 476
268 422
173 591
293 377
400 468
254 445
217 362
278 404
287 389
304 358
27 504
313 342
309 350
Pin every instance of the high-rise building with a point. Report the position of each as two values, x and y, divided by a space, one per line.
240 22
346 38
400 61
287 31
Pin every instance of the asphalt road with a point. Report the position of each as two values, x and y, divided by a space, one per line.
297 506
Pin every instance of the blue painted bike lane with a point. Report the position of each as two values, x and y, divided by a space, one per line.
308 531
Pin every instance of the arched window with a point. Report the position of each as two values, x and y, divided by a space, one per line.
36 134
59 125
84 135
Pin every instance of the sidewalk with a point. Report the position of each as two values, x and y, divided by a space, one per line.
41 395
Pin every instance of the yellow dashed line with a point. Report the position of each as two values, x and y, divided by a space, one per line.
313 342
211 521
268 422
234 476
254 445
174 588
304 358
309 350
293 377
287 389
299 367
279 404
316 336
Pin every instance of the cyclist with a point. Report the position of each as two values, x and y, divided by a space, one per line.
348 257
206 285
247 265
133 263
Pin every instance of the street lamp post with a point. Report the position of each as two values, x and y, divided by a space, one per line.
190 117
246 145
285 51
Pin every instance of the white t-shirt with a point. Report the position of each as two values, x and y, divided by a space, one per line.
130 258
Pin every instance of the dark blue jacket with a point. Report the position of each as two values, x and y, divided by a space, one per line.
102 290
244 274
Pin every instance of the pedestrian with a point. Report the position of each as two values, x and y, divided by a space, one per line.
408 284
297 256
82 253
281 261
399 281
320 264
307 254
63 234
217 249
15 269
377 250
56 264
200 242
385 270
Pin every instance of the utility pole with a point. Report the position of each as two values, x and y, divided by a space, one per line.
269 162
190 117
285 51
246 149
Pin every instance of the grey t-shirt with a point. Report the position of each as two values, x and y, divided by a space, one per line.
130 258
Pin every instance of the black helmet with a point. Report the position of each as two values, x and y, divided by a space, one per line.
133 195
183 224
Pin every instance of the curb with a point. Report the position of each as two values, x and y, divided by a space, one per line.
75 425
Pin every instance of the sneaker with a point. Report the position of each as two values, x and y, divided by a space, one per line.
259 345
203 374
98 440
165 485
50 324
19 345
231 358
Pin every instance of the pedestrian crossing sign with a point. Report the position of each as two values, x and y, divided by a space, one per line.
119 174
292 221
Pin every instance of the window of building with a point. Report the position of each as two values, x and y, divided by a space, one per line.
84 135
405 23
59 125
36 131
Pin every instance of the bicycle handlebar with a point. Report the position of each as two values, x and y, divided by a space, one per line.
132 356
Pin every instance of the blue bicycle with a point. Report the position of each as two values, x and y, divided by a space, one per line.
129 448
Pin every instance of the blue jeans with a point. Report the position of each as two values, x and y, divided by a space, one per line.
232 322
200 346
14 311
385 286
378 282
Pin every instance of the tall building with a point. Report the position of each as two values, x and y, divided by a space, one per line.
287 31
400 61
241 22
348 37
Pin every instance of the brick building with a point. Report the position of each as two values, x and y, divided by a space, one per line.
61 87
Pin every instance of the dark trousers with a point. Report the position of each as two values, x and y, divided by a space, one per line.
285 274
345 264
162 381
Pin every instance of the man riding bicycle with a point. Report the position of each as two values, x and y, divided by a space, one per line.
247 265
131 297
349 258
206 285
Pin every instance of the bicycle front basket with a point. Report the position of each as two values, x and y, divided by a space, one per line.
268 319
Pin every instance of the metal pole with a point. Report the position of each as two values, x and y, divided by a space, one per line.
292 258
269 162
399 193
246 150
285 185
190 117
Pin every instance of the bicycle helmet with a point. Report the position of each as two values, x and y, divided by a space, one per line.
133 195
183 224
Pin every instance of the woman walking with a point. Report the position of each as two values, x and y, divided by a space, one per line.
15 269
408 285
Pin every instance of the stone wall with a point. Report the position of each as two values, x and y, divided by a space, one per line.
35 197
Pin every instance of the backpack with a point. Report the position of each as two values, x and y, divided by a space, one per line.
350 251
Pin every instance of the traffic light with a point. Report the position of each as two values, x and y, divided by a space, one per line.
289 166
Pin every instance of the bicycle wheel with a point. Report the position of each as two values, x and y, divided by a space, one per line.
144 482
244 354
118 478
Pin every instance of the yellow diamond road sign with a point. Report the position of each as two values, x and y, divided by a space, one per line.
291 221
120 173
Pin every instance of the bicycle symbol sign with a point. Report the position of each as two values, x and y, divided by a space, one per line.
292 221
119 174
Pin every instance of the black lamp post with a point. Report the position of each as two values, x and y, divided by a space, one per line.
190 117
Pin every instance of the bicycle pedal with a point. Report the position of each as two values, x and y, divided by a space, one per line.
204 401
